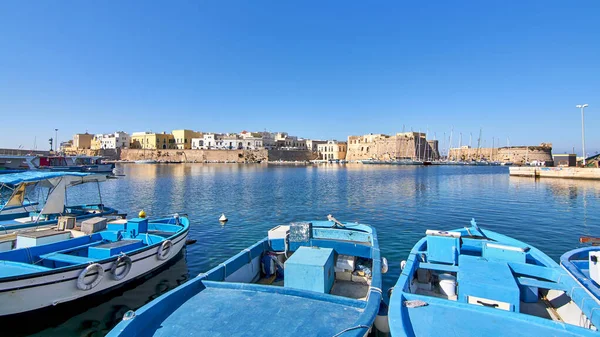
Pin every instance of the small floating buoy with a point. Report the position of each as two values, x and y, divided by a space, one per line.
223 218
142 214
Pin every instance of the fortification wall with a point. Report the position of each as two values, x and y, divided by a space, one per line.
517 154
404 145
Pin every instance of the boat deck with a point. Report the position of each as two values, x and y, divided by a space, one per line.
219 311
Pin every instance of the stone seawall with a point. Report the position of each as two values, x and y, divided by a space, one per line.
276 155
200 156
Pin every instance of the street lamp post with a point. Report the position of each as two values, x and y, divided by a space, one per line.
582 107
55 140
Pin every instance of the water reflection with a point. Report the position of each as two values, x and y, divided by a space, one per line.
401 202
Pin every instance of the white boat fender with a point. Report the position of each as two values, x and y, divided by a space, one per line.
121 259
402 264
95 267
384 265
164 250
381 320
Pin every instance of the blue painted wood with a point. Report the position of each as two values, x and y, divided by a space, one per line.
208 306
55 257
310 268
442 249
507 278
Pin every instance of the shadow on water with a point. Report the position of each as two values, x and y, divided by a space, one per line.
97 314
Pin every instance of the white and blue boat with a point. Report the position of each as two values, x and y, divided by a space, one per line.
307 279
473 282
47 275
583 265
36 199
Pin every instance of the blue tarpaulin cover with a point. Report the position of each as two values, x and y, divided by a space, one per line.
32 176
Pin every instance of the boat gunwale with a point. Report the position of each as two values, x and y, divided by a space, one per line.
182 231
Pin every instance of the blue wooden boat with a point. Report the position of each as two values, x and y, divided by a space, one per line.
18 209
284 285
474 282
50 274
583 265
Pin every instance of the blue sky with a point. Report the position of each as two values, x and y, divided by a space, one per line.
312 68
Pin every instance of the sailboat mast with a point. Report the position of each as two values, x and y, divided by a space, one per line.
419 146
450 145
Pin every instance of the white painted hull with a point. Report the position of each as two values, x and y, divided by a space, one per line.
32 293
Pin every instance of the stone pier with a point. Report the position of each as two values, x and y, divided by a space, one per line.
556 172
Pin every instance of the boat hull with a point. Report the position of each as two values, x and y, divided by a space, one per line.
25 293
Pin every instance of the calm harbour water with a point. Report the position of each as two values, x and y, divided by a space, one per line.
401 202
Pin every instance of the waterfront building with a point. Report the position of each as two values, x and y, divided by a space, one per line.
82 141
183 138
283 141
333 150
115 140
96 142
66 146
197 143
562 160
152 141
268 140
210 141
232 142
312 145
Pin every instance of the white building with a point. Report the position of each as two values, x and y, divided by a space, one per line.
211 141
284 141
313 145
197 143
117 140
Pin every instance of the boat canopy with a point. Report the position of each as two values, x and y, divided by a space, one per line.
34 176
57 182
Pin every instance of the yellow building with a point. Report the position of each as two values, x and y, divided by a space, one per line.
183 138
152 141
333 150
82 141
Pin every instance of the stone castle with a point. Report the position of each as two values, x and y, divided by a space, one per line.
406 145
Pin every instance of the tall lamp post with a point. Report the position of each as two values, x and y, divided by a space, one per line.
582 107
55 140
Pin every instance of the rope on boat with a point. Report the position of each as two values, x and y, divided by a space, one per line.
362 326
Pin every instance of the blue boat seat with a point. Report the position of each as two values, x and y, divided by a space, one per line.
66 258
487 283
443 247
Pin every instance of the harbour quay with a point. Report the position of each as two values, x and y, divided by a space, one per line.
556 172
